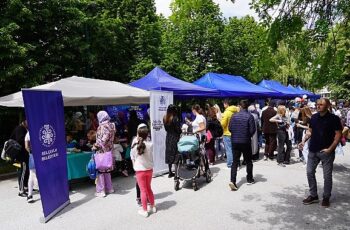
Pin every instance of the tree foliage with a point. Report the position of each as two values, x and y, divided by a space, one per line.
191 39
245 51
297 41
324 29
45 40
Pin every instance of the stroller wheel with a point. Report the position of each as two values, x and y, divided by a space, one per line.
177 185
194 186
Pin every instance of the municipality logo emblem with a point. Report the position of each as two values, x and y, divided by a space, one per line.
47 135
162 100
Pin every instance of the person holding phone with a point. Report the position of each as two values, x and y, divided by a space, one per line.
324 134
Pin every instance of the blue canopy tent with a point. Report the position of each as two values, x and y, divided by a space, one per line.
158 79
284 90
310 94
234 86
301 93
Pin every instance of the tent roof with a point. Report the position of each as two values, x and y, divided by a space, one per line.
234 86
158 79
308 93
296 90
79 91
277 86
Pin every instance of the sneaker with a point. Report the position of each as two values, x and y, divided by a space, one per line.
233 186
30 199
143 213
265 158
100 194
110 191
152 209
310 200
286 162
325 202
251 181
281 165
138 202
22 194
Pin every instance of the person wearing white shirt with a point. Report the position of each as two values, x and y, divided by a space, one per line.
142 159
32 172
199 124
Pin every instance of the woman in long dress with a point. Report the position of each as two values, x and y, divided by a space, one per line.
173 130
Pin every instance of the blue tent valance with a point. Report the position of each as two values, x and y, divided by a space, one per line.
158 79
234 86
277 86
308 93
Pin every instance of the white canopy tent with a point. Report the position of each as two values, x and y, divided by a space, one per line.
80 91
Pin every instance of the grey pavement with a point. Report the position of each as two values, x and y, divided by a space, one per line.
273 202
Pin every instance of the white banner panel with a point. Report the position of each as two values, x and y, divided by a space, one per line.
159 102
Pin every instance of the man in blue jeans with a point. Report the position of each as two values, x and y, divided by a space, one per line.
242 127
225 121
325 133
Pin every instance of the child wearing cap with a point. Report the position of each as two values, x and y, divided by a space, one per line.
141 156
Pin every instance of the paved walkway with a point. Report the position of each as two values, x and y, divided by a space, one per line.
274 202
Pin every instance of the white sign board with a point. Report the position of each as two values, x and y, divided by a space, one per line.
159 102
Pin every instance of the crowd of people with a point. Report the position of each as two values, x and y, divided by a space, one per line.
316 129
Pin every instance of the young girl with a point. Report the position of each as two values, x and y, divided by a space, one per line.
117 153
141 156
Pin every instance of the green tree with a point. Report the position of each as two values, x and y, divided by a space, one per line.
40 41
191 40
142 36
245 48
320 57
286 17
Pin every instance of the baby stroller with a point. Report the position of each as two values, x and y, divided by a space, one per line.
191 162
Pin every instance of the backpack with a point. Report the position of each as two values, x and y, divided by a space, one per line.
216 129
11 151
91 168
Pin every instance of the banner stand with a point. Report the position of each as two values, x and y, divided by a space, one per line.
48 147
159 102
46 219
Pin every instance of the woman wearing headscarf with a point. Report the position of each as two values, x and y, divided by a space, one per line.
104 143
173 130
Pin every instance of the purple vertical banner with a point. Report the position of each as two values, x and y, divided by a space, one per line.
45 116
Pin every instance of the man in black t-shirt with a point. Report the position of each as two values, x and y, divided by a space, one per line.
325 133
18 134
